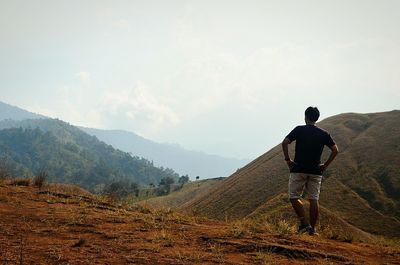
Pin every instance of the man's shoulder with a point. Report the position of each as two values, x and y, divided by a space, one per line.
322 130
299 127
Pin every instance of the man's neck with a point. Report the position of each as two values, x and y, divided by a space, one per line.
310 123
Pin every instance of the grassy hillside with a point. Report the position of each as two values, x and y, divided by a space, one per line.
177 199
331 224
66 225
362 186
71 156
278 209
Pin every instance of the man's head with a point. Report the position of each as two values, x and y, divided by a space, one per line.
311 114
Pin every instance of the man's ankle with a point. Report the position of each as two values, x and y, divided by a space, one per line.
303 221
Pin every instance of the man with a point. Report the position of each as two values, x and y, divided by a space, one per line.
306 169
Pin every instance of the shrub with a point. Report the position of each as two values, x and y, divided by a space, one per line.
40 179
120 189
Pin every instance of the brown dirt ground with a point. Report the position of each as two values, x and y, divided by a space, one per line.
42 227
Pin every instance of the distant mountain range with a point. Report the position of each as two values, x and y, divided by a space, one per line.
14 113
361 187
183 161
173 156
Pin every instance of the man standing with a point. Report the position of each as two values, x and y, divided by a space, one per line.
306 169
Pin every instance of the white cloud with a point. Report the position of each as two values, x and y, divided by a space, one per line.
120 23
84 77
139 109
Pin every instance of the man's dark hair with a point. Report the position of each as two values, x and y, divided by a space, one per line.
312 113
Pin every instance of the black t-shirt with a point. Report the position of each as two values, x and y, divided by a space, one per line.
310 142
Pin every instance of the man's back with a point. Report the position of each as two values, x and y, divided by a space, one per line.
310 142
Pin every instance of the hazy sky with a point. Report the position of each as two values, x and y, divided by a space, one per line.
225 77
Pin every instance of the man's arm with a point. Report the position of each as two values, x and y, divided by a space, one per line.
285 149
334 152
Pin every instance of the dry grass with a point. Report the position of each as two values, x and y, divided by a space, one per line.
217 251
265 258
177 199
114 234
325 262
283 227
164 237
21 182
279 223
332 233
68 189
252 226
248 227
189 257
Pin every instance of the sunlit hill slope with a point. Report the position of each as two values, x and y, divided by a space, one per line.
362 186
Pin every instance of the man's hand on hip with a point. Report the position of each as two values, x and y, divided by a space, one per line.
290 163
323 167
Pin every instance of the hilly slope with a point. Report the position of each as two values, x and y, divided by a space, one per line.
14 113
181 160
276 209
57 226
190 191
70 155
362 186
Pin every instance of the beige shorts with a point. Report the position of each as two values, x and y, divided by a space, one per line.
304 185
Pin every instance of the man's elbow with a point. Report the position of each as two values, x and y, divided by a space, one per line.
335 150
285 142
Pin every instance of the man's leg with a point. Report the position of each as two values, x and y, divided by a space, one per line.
314 209
297 182
312 190
299 209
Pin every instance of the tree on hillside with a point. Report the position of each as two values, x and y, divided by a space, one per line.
166 181
121 188
164 187
183 179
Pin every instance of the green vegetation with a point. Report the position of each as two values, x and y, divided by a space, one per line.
69 155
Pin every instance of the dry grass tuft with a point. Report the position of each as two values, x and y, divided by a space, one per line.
21 182
165 238
332 233
284 228
248 227
139 208
264 258
277 224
